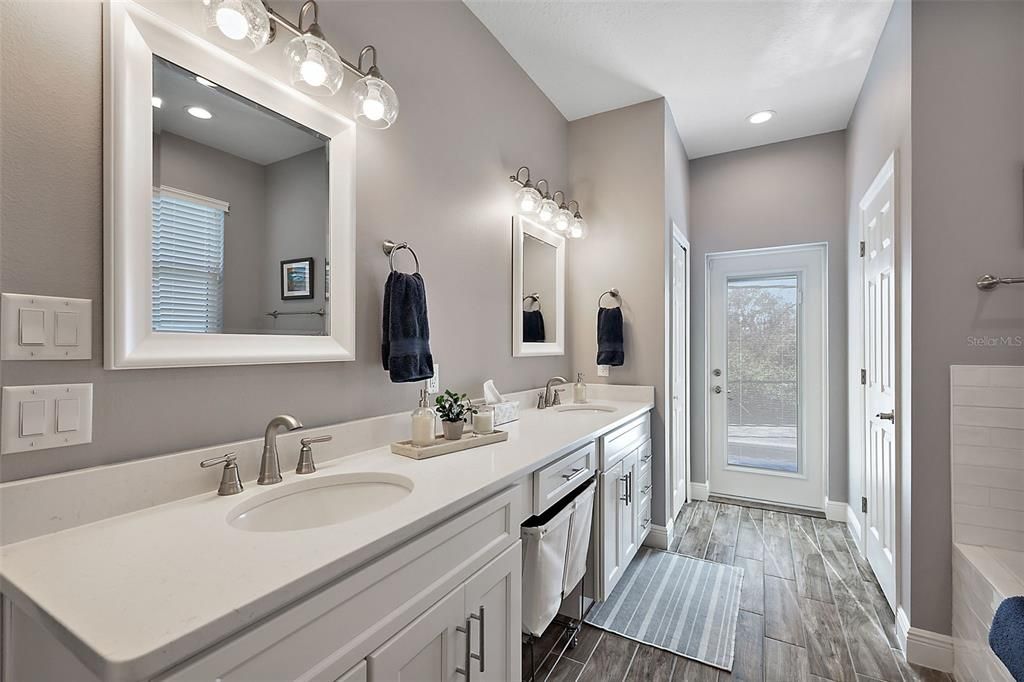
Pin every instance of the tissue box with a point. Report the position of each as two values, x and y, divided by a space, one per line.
505 412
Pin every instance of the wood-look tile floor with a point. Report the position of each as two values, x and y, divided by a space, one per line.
810 610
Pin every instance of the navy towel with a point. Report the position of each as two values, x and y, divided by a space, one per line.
609 337
533 326
405 338
1006 636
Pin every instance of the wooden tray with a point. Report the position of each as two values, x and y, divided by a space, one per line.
444 447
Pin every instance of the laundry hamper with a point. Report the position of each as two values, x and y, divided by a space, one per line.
555 546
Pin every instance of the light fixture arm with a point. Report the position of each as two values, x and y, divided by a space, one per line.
522 183
545 193
296 29
577 212
557 192
373 70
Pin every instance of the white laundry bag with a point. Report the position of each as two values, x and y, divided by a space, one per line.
555 549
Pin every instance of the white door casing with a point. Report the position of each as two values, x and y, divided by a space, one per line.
878 232
680 379
788 465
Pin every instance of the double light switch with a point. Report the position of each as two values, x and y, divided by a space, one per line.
46 327
41 417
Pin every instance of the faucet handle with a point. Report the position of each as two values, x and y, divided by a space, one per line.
557 400
230 481
306 464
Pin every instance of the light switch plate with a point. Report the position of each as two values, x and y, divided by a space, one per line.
602 370
434 382
66 332
20 402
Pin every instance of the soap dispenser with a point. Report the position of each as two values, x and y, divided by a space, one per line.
579 389
424 423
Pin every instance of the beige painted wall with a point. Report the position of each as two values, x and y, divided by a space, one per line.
776 195
437 178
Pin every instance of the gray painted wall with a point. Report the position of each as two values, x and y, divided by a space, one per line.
437 178
879 126
776 195
617 172
968 121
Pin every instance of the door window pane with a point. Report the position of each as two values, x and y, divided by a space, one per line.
762 337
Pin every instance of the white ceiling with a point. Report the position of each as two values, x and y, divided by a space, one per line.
238 127
715 62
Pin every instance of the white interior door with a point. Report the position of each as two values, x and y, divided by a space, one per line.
680 350
877 215
767 378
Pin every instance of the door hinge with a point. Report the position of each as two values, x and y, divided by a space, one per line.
862 249
864 505
864 377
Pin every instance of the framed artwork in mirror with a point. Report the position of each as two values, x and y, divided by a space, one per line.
296 279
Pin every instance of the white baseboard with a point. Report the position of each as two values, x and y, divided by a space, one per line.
699 491
853 523
660 537
924 647
835 511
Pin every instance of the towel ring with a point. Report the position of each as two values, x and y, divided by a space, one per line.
534 297
614 293
390 248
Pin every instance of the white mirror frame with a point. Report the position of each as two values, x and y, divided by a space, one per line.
132 35
521 227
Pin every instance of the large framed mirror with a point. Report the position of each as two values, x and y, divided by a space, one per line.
538 290
230 207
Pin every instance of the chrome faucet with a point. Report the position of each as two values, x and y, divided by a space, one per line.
550 396
270 466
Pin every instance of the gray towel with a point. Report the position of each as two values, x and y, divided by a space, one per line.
405 337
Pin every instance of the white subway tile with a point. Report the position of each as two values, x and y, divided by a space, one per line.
993 537
969 375
988 457
1004 519
1007 376
988 396
977 495
1004 499
1008 479
1001 417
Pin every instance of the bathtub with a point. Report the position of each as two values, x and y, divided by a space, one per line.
982 578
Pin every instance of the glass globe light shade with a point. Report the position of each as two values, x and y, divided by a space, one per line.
237 24
563 219
315 66
578 228
527 200
547 210
374 102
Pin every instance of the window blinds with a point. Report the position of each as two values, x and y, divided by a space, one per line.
188 262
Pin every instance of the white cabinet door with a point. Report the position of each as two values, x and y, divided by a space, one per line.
629 508
494 618
428 649
613 489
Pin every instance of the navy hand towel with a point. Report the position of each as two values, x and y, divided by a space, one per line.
405 338
609 337
1006 636
533 326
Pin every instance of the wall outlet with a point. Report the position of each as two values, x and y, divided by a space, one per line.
434 382
602 370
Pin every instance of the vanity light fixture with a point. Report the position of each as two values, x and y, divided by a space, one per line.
206 82
315 66
199 113
578 227
760 117
548 208
527 199
563 218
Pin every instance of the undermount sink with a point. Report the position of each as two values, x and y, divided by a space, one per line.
320 502
585 408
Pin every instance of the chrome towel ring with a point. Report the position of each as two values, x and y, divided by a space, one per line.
614 293
535 297
391 248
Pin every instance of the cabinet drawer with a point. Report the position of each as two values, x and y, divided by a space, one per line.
554 481
644 487
624 439
646 457
644 519
331 630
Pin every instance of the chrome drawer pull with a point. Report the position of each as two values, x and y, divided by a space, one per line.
573 474
480 658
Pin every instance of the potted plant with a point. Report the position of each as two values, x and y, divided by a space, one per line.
453 409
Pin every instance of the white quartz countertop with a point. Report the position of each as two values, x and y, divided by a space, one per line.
134 594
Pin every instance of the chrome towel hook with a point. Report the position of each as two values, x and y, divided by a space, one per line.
614 293
391 248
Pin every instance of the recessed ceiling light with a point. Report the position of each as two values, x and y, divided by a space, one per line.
761 116
157 102
207 83
199 112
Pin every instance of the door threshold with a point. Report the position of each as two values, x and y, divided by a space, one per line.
766 506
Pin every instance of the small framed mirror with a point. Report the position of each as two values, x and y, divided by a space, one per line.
538 290
231 201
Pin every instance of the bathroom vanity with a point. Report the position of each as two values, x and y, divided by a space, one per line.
159 582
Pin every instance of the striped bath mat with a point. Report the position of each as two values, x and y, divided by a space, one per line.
684 605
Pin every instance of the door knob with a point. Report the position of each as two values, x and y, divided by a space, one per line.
888 416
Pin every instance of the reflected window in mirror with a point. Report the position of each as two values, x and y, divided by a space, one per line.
238 190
